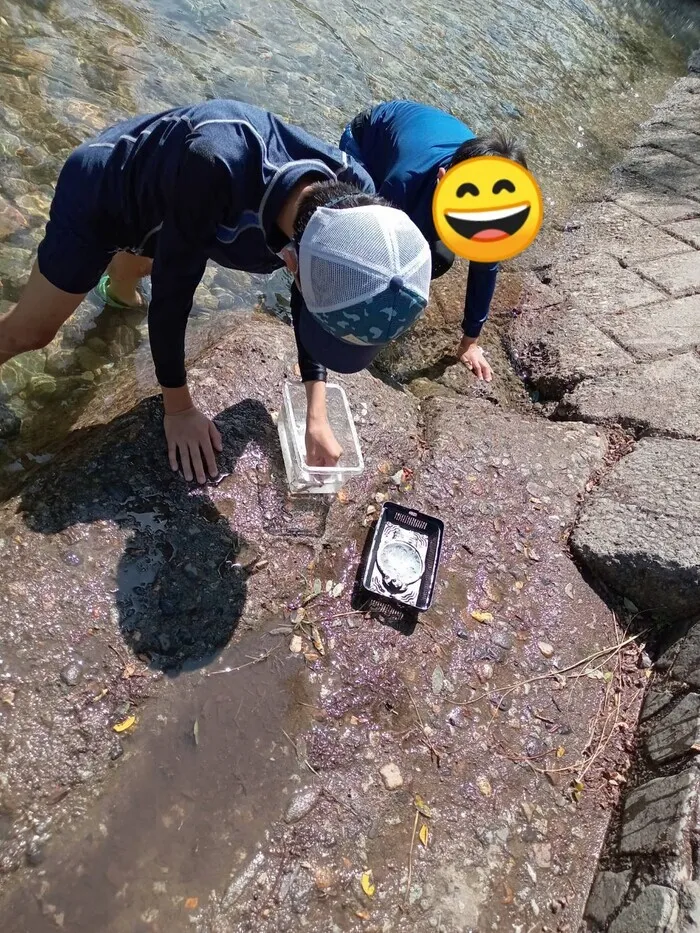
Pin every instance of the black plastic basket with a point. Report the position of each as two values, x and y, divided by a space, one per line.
422 533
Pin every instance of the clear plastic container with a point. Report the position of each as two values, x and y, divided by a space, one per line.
291 426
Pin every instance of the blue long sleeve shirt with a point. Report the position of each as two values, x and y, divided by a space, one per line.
207 182
402 144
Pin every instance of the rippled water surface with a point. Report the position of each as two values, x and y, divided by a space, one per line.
572 76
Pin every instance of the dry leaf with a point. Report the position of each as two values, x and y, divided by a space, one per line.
362 914
380 497
191 903
423 834
7 696
195 732
312 656
125 724
484 786
569 590
518 585
422 806
337 590
299 616
482 616
128 671
577 790
318 641
343 496
561 751
295 644
509 895
329 586
102 693
385 468
368 885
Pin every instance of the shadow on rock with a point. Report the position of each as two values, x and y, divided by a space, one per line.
181 581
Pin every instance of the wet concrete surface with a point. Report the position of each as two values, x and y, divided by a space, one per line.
127 590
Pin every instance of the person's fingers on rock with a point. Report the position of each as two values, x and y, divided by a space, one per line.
216 437
197 464
209 457
172 455
185 461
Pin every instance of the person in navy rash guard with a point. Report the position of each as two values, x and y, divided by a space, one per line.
162 194
407 147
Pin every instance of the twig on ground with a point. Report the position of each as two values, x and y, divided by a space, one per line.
553 673
410 856
434 753
258 660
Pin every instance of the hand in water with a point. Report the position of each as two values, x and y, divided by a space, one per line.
322 449
193 438
472 356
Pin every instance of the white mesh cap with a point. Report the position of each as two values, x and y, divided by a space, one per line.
364 272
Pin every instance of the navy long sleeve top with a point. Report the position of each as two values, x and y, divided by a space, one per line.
208 182
402 144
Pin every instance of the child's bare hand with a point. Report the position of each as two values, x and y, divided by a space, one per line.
472 356
192 438
322 449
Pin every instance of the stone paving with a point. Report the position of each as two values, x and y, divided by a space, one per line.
615 340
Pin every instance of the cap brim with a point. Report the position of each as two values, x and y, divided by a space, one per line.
335 354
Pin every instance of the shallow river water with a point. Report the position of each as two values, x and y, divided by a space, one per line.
573 77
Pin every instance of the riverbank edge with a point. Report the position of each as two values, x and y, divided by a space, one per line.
613 339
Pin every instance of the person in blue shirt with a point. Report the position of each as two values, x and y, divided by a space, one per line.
407 148
164 193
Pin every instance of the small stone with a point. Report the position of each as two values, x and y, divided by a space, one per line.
502 639
438 680
71 673
35 853
302 804
543 854
295 644
546 649
484 672
391 777
116 751
72 559
484 786
190 571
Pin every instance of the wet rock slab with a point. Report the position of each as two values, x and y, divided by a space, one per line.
116 570
395 692
639 531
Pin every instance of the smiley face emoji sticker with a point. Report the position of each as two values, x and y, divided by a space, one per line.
487 208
